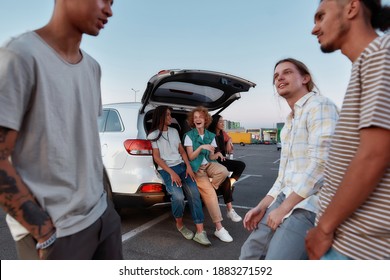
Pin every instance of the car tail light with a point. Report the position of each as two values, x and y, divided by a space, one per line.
138 147
151 188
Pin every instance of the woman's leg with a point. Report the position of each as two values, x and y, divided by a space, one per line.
176 193
235 166
208 194
226 190
193 197
217 172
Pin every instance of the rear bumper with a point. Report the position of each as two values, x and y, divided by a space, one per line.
144 200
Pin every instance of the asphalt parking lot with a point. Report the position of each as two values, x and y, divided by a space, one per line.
150 234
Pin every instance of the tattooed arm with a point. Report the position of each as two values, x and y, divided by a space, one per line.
15 197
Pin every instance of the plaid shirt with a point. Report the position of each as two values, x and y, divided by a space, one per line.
305 139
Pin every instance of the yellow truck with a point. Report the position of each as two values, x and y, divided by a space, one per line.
241 138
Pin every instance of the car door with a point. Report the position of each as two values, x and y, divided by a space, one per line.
111 139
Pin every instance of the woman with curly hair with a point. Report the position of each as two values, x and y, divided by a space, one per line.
200 145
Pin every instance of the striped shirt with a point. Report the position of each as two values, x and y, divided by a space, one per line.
366 233
305 143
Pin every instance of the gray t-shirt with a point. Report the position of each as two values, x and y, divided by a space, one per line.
54 106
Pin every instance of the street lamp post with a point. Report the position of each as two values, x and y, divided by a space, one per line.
135 94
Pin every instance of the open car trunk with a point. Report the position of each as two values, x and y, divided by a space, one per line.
183 90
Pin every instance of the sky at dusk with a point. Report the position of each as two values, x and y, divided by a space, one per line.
244 38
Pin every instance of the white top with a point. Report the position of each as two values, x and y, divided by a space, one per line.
168 145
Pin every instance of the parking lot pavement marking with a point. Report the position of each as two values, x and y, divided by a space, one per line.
254 175
237 206
144 227
243 178
276 161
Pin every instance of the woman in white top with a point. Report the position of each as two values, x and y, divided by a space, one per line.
176 171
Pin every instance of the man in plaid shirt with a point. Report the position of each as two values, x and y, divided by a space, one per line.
280 221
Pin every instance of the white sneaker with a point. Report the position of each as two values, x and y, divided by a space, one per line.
232 215
223 235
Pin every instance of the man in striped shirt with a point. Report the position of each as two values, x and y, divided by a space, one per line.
354 220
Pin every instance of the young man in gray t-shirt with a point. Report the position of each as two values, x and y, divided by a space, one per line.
51 171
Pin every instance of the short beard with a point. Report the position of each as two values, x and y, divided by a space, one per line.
328 49
341 32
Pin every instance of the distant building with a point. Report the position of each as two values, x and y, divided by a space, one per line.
259 135
269 134
256 134
230 125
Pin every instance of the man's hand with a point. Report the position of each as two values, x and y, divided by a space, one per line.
275 217
317 243
253 217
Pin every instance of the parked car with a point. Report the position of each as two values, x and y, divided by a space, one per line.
278 146
131 175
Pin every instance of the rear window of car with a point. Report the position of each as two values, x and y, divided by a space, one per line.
188 91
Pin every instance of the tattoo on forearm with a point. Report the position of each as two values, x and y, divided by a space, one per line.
8 189
4 152
7 184
34 215
30 211
3 134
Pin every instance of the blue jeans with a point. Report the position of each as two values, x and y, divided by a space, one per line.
287 242
333 254
177 195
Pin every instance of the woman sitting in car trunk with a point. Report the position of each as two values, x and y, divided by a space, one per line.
200 145
176 171
225 146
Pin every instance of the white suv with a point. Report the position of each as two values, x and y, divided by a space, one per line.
131 174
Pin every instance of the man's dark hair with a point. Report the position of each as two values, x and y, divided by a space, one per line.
380 15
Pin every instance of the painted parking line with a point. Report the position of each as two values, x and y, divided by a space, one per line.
249 175
243 178
148 225
145 226
237 206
